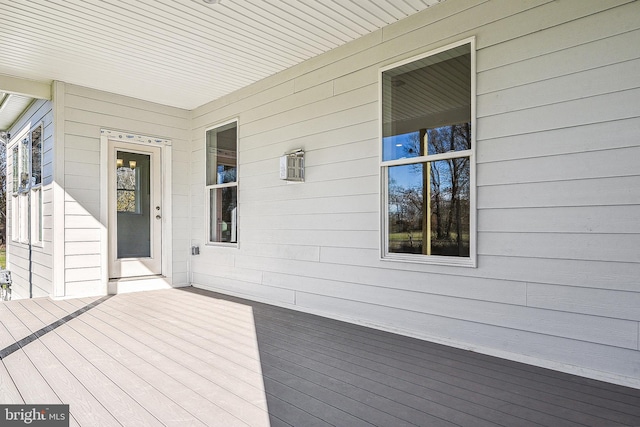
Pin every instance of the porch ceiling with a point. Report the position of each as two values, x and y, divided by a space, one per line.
182 53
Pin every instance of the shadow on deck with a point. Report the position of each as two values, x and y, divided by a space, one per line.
193 357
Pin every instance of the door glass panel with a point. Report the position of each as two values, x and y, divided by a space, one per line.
133 204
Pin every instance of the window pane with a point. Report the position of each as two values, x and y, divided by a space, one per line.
223 214
127 186
16 179
429 208
134 209
36 156
222 154
423 101
24 164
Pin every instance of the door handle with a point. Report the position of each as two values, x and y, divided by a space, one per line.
158 217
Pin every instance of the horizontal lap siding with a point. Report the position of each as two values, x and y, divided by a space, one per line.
558 188
18 253
86 112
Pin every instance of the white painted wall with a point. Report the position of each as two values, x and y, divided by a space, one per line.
83 113
558 201
18 253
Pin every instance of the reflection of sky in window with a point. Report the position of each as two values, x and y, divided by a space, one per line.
406 176
399 146
411 176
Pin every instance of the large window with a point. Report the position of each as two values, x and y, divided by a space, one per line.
428 157
26 158
222 183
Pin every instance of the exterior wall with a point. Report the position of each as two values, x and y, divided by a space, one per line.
83 113
17 252
558 188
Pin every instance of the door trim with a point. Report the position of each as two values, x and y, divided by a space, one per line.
165 175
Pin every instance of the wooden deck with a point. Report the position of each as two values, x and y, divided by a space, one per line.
191 357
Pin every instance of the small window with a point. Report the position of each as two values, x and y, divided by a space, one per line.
26 157
25 170
222 183
427 158
15 166
36 156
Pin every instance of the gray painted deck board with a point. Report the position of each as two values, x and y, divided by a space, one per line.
464 367
193 357
449 372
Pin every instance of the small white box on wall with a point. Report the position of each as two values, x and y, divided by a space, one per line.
292 166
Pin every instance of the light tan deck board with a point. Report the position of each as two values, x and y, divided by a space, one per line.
233 359
238 336
155 368
151 406
16 328
117 401
8 391
203 370
26 377
58 309
71 377
6 337
86 407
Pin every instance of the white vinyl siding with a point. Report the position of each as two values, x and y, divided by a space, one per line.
556 141
86 112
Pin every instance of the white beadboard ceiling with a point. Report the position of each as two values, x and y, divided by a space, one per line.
182 53
11 107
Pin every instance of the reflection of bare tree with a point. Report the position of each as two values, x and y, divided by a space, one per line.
450 139
36 156
126 189
436 199
445 187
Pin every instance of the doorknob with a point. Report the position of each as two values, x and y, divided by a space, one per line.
158 217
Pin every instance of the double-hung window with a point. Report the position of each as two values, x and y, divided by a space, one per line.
222 183
26 158
427 163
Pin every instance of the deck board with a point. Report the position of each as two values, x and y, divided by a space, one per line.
158 374
193 357
9 393
482 381
234 392
173 362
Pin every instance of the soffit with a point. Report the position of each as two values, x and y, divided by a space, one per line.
11 108
182 53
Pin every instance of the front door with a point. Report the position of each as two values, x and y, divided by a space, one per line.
135 210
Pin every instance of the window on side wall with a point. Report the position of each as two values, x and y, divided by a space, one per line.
222 183
15 200
428 162
26 157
